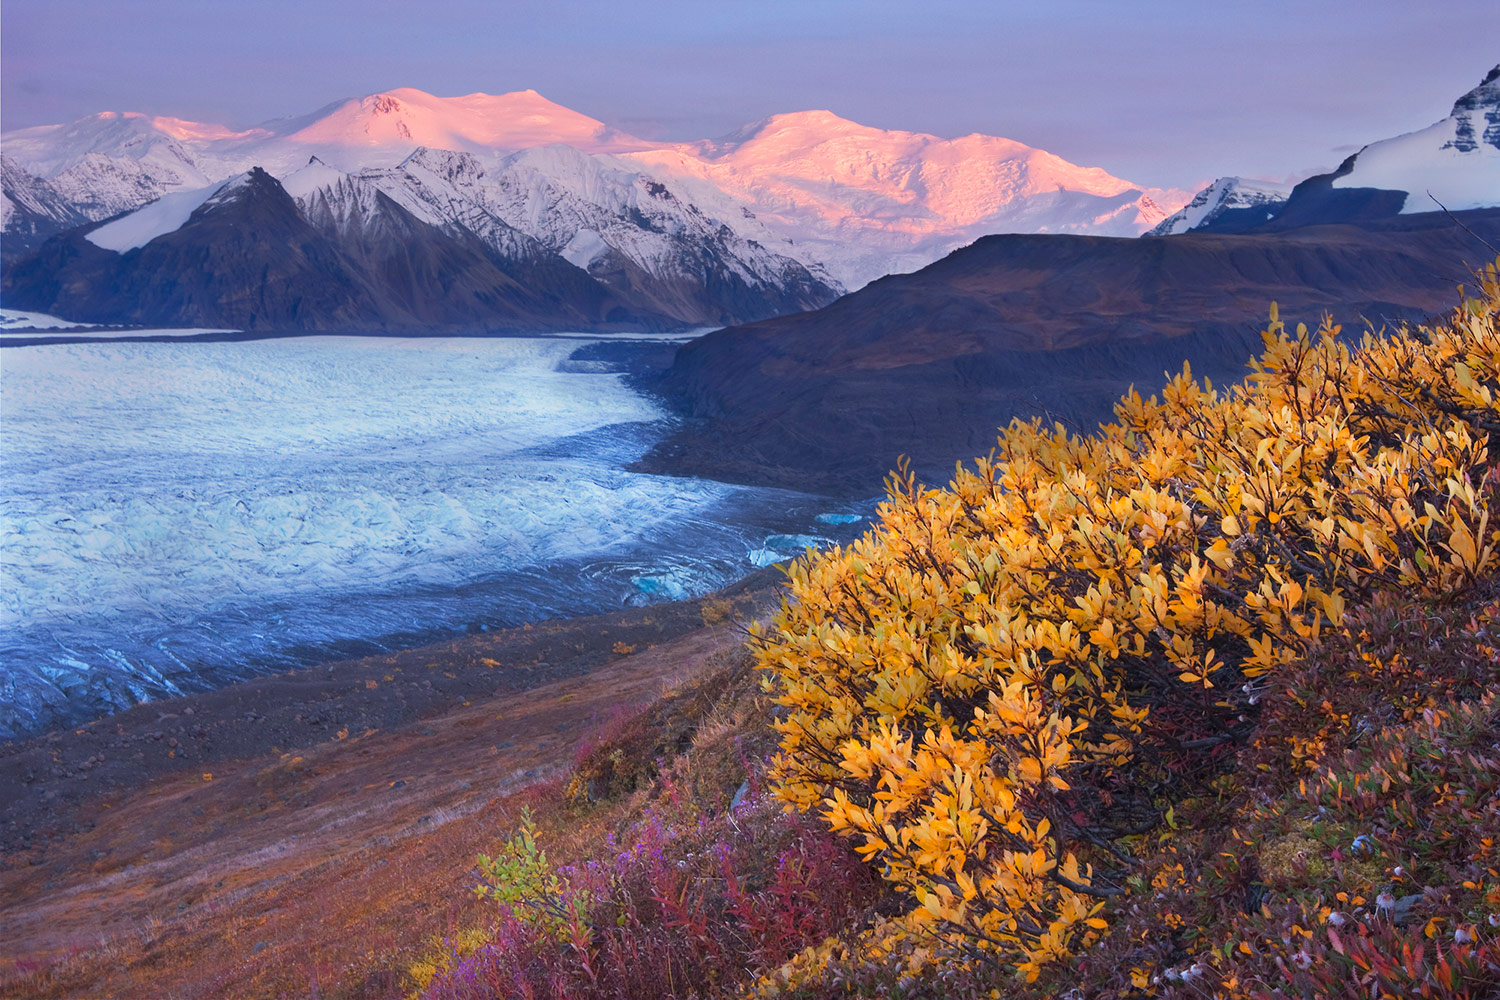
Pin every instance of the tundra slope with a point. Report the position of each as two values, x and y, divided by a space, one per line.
928 365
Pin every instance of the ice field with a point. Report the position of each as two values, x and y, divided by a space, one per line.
176 515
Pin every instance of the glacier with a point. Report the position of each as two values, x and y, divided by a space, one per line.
178 515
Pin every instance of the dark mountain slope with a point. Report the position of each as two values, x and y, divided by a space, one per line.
233 263
427 276
251 258
930 364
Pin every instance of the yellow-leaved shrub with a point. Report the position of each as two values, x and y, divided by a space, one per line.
1005 679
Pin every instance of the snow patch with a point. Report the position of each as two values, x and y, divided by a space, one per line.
1425 161
114 333
584 248
166 214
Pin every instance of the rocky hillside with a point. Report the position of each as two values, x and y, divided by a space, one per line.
929 364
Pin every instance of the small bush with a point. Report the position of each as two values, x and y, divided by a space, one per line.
716 610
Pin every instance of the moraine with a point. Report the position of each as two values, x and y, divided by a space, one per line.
175 516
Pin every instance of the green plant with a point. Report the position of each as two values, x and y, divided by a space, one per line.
520 877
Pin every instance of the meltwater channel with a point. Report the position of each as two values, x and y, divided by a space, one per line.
174 516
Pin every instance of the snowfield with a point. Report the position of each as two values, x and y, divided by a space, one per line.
173 516
166 214
26 325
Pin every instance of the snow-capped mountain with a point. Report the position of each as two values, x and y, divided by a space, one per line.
112 162
866 202
622 228
425 244
602 214
249 257
382 129
31 209
840 199
1226 194
1456 160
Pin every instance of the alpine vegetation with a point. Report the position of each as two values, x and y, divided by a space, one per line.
1007 680
1203 704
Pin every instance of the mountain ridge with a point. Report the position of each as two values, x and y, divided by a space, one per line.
896 201
249 258
1454 163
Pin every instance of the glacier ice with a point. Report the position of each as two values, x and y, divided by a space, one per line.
795 544
17 319
176 515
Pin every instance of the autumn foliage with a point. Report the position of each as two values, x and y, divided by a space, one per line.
1008 682
1205 704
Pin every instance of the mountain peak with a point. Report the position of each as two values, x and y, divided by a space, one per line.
407 117
1255 201
316 174
844 198
1486 95
813 124
811 117
1454 162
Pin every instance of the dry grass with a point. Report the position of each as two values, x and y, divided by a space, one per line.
322 877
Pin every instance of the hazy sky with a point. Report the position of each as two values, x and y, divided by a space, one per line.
1163 93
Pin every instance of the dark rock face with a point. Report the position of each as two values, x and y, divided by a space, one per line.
930 364
707 292
423 276
1316 202
246 259
1478 115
